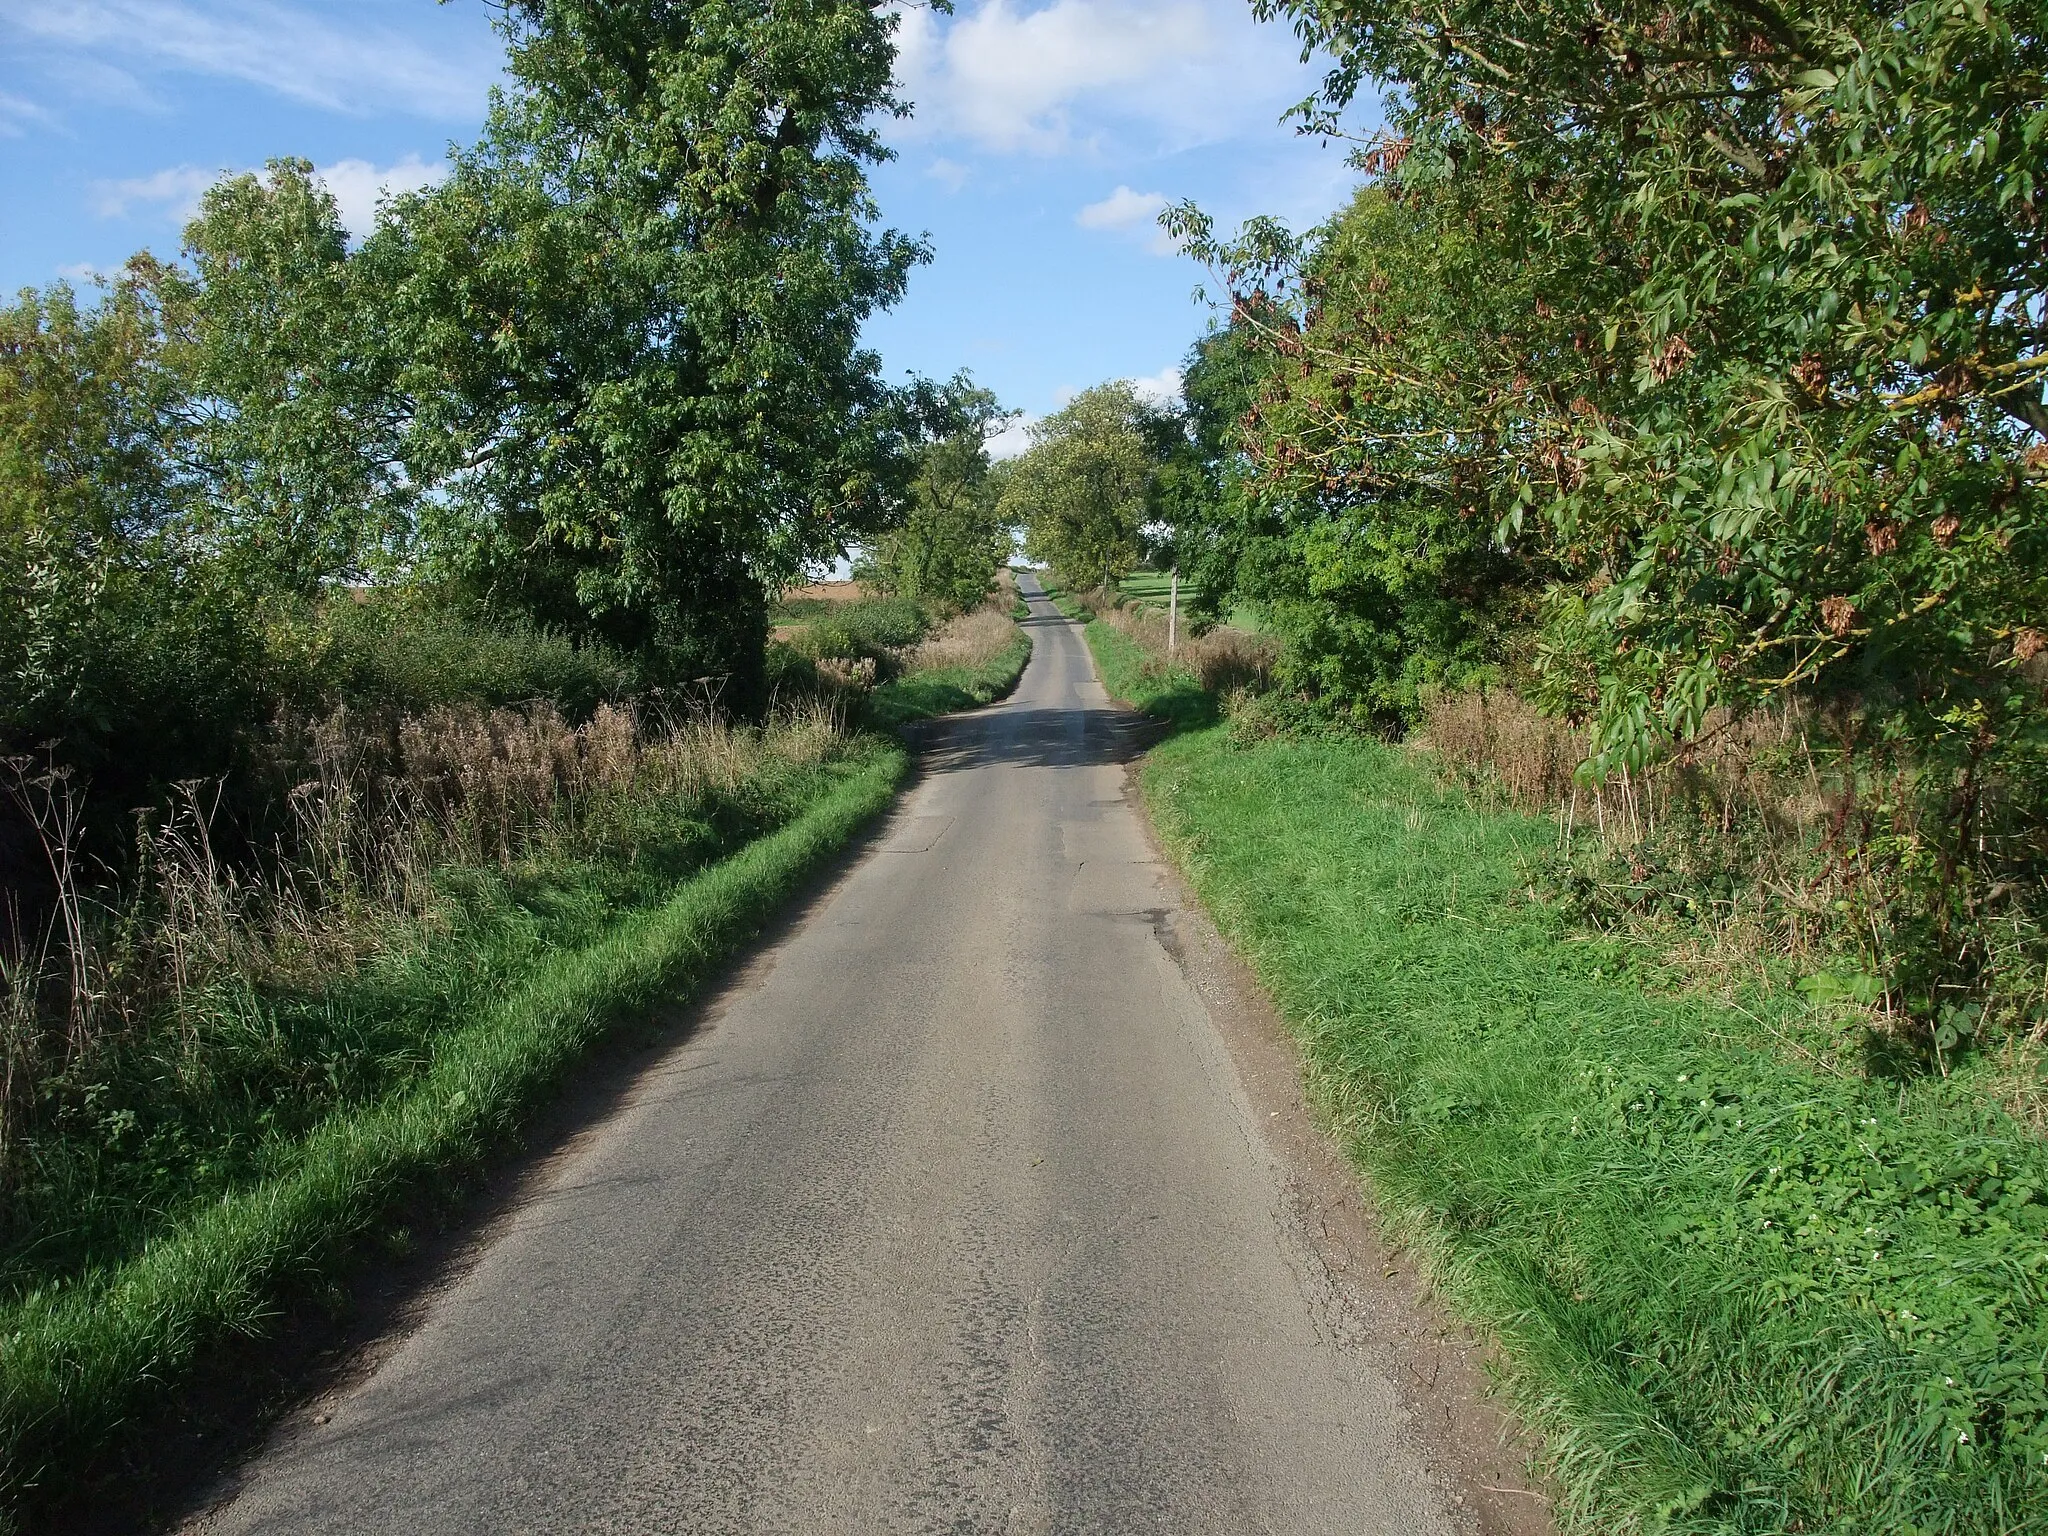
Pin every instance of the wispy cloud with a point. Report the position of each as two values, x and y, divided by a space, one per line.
328 58
950 174
357 186
175 190
1122 209
17 113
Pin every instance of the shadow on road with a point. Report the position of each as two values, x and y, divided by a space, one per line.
1032 736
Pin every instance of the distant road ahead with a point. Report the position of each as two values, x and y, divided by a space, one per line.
951 1217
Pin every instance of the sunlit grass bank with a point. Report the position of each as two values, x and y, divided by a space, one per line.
1741 1286
973 660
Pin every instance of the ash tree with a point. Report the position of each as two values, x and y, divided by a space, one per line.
628 323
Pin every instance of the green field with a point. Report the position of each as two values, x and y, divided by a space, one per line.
1151 586
1153 589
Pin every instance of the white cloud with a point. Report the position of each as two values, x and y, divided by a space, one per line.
949 174
1013 439
1161 388
1122 209
356 185
1050 79
309 56
1133 213
16 113
84 274
176 190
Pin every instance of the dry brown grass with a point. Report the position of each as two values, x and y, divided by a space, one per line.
971 640
1733 830
1531 756
1759 771
371 814
1222 659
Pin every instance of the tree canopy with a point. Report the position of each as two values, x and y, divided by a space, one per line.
952 535
1083 490
631 319
1688 359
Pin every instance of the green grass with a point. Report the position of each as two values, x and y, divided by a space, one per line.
1167 693
97 1338
405 654
942 690
1153 587
1736 1291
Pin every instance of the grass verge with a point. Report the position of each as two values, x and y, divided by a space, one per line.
87 1359
1131 673
1739 1289
941 690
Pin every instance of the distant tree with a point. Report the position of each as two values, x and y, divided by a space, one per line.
1201 520
952 535
1083 489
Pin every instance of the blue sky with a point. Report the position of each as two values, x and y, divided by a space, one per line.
1046 137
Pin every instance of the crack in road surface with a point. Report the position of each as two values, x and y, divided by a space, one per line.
952 1216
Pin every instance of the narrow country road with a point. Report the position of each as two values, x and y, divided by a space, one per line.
952 1216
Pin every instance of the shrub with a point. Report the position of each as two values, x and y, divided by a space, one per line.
406 652
872 630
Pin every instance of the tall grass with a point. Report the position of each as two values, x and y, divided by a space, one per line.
1188 686
492 1024
1786 839
162 1035
221 1067
1221 659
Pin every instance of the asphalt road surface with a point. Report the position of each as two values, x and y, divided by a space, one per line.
952 1216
